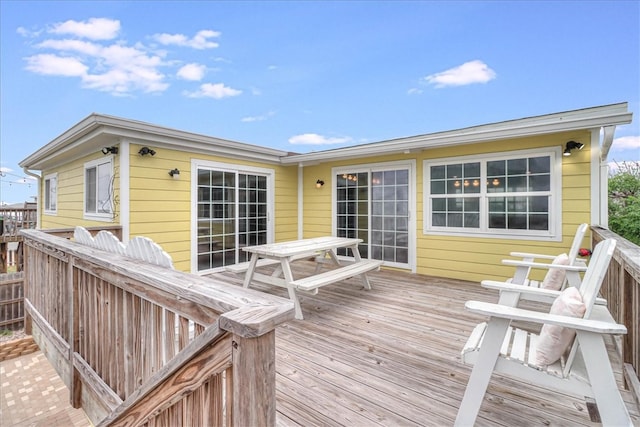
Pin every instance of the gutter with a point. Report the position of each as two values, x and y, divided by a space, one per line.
38 201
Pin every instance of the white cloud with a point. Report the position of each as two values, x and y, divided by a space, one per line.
258 118
54 65
79 46
414 91
627 143
214 90
199 41
623 166
315 139
465 74
193 72
272 67
94 28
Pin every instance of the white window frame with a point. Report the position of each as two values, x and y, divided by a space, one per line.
226 167
555 201
378 167
98 216
50 194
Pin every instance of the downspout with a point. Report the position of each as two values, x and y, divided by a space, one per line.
300 201
38 202
600 212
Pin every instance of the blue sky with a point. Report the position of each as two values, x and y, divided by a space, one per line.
305 76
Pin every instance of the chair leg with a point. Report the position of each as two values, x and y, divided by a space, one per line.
611 407
481 373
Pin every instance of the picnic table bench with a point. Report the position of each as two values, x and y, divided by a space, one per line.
321 249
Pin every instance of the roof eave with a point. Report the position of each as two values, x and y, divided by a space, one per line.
596 117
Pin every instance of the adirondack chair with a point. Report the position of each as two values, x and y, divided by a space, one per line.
583 371
530 261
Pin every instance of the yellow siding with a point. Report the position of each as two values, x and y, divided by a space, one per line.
71 196
462 258
160 206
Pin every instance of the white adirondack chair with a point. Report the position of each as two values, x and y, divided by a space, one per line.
540 261
584 371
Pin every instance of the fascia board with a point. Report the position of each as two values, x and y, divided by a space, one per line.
81 136
560 122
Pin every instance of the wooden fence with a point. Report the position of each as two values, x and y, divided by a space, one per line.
12 220
11 301
139 344
621 289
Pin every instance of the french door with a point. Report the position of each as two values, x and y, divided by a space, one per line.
232 212
374 204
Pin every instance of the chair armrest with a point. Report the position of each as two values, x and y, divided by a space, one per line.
513 313
528 255
511 287
519 263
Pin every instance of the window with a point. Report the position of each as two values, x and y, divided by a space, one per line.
51 194
512 195
98 189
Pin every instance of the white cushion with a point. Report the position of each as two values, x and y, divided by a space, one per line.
555 276
554 340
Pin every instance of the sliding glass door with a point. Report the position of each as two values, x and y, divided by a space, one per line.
374 205
232 212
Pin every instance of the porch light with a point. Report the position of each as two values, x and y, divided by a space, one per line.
112 150
572 145
175 173
146 150
319 183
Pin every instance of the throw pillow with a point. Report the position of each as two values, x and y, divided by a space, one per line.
554 340
555 276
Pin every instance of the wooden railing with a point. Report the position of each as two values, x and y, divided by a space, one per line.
621 289
12 220
138 344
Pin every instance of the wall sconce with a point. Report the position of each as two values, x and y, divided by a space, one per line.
112 150
319 183
175 173
146 150
572 145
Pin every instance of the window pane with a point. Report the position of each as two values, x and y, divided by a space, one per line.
104 188
91 187
437 187
540 165
437 172
517 167
540 183
496 168
454 171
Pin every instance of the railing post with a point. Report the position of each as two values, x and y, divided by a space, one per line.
254 381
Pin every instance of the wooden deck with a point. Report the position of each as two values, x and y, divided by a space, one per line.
391 357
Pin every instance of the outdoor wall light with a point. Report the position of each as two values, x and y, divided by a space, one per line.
572 145
112 150
319 183
146 150
175 173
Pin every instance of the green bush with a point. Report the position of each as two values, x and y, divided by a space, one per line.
624 202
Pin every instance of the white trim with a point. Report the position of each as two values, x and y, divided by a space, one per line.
607 115
50 177
95 216
411 227
300 202
599 176
555 202
226 167
125 189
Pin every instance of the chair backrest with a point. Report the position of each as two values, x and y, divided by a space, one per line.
590 286
577 242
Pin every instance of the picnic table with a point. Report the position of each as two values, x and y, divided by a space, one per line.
320 249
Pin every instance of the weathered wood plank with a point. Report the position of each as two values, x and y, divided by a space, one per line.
357 354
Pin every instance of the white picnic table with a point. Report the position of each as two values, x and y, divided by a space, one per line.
318 249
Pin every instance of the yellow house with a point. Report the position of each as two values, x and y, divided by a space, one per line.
448 204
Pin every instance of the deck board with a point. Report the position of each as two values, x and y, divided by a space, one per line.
390 356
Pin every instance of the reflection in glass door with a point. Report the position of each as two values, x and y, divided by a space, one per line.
232 213
373 205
